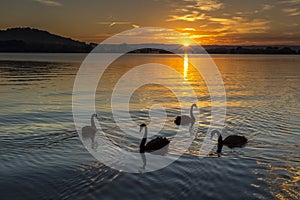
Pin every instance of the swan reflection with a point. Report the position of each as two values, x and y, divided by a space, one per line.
143 168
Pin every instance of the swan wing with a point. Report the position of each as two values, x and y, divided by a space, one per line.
88 131
182 120
235 141
156 144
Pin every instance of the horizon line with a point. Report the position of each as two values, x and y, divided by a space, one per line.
93 42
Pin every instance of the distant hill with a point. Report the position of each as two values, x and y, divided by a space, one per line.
34 40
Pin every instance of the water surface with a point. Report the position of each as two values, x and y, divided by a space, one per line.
43 158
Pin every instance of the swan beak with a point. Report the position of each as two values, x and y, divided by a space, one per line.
141 128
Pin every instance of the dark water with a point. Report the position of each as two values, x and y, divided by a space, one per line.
42 157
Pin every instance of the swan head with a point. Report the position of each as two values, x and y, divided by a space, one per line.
215 132
195 105
142 126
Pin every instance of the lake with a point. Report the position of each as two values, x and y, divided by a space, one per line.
42 156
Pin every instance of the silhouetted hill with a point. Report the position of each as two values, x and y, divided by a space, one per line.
34 40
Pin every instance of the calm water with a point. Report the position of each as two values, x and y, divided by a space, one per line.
43 158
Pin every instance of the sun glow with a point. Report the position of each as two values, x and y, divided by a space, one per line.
186 44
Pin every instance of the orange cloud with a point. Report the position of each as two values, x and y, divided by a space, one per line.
196 14
207 5
188 17
188 29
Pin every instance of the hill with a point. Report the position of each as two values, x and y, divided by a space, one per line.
34 40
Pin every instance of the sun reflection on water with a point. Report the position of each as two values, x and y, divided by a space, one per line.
185 66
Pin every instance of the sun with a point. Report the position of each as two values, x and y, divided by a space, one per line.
186 44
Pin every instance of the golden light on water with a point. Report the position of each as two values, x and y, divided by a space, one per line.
185 66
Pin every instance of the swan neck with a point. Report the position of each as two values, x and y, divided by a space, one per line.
145 133
220 144
92 121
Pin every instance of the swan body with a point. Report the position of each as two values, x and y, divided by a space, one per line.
153 145
234 141
89 132
185 119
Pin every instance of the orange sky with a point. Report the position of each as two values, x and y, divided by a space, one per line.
227 22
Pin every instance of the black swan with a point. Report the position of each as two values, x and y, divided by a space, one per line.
155 144
89 132
184 119
231 141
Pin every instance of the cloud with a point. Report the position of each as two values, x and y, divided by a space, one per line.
205 5
113 23
291 11
215 27
292 33
49 2
188 29
215 21
226 30
195 36
192 10
267 7
152 35
263 8
135 26
228 25
239 25
292 7
194 16
293 2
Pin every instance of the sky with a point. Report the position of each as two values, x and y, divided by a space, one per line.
209 22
